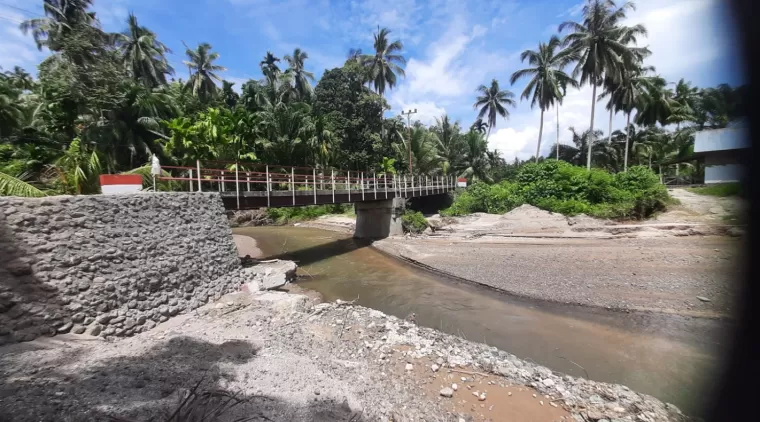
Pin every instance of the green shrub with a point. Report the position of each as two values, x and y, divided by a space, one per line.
292 214
413 222
559 186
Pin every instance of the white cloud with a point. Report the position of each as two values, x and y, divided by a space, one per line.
683 35
17 49
427 111
450 70
112 14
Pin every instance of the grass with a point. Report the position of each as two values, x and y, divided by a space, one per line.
720 190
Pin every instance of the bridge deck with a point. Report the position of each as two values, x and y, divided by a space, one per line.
242 187
261 199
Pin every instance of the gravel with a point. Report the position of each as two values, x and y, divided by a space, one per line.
290 361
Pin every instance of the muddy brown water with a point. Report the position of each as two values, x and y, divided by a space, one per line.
671 357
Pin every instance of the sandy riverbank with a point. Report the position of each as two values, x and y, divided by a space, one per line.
655 274
292 360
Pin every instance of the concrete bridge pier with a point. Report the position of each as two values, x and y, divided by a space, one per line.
379 219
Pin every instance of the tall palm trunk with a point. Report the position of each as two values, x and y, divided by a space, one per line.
591 133
540 134
558 130
609 133
488 133
627 134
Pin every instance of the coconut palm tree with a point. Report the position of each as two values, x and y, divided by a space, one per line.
493 101
685 100
476 160
631 92
143 55
301 78
604 46
658 104
11 110
17 186
449 143
203 71
577 154
421 146
547 80
479 126
269 67
385 65
354 55
20 78
61 17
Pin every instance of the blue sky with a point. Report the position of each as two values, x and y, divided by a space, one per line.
452 46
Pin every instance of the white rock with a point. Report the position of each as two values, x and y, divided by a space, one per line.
435 367
541 402
548 382
482 396
454 387
447 392
409 367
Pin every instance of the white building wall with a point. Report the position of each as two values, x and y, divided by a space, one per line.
721 139
722 169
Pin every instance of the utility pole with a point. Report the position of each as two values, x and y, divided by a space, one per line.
408 115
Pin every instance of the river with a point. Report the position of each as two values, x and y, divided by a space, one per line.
671 357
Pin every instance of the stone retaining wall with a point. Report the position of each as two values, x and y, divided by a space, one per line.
110 265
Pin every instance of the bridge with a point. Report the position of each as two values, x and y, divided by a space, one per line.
379 198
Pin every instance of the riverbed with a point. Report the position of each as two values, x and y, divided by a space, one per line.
671 357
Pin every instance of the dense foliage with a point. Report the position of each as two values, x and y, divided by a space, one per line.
561 187
293 214
105 103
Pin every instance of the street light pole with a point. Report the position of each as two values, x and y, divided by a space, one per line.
408 115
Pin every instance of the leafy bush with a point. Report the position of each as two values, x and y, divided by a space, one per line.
560 187
413 222
291 214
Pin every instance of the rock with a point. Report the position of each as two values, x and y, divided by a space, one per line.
548 382
94 329
65 327
454 387
434 367
447 392
103 319
735 232
703 299
409 367
671 408
19 267
79 329
482 397
439 361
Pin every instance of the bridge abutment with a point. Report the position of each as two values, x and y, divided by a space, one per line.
379 219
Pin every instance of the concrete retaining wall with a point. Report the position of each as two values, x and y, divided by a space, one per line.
110 265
